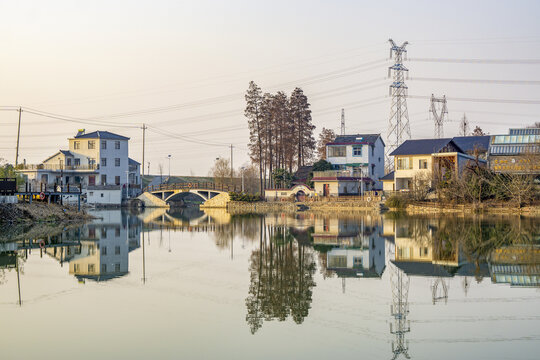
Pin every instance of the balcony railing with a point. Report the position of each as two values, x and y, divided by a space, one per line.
57 167
336 173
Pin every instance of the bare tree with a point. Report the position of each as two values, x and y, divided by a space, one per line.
326 136
478 131
221 171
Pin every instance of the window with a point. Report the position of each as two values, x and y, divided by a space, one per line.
117 231
68 161
117 267
422 164
103 250
117 180
101 194
76 268
103 162
337 151
117 162
372 169
91 193
117 145
103 268
404 164
91 161
103 144
91 144
357 150
103 179
103 232
91 268
77 162
117 250
76 145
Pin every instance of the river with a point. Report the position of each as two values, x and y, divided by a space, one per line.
192 284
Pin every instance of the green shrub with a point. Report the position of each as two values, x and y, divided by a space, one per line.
244 197
396 201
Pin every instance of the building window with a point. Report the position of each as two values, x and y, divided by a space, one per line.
117 267
103 268
103 162
117 162
117 145
91 193
357 150
103 179
91 268
117 250
101 194
422 164
76 268
76 145
77 162
117 180
337 151
103 232
91 145
103 250
91 161
404 163
117 231
68 161
103 144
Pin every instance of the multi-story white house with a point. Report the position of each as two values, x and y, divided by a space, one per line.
361 155
97 162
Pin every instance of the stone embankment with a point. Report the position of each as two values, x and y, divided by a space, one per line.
237 207
494 208
40 212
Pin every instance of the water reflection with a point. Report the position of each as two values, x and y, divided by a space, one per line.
286 254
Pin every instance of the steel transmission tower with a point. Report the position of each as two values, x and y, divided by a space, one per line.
342 121
464 126
438 116
399 310
398 124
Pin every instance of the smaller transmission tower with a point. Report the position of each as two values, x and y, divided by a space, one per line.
342 121
439 112
464 126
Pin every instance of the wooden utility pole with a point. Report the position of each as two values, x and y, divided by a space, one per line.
18 136
143 145
231 165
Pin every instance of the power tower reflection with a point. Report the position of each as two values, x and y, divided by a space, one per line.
399 310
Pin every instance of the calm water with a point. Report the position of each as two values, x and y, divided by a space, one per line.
205 285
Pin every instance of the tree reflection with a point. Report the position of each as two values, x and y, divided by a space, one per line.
281 273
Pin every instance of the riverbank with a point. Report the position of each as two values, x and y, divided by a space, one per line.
240 207
487 208
40 212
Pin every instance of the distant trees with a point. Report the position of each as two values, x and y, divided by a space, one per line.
221 171
280 131
326 136
478 131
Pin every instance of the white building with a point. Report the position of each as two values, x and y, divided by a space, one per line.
361 154
96 161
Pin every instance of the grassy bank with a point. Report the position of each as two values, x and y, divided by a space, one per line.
40 212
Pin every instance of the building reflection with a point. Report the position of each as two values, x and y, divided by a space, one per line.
516 265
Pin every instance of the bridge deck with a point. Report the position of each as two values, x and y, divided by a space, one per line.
204 186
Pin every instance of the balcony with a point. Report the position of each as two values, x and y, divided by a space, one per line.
58 167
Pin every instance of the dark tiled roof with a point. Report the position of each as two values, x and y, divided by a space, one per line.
357 138
133 162
302 173
101 135
470 143
66 152
389 176
425 268
422 146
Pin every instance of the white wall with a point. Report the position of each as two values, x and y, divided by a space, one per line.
104 197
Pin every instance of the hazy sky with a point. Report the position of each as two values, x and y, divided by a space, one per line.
191 62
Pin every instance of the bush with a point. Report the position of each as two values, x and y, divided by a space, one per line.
397 201
244 197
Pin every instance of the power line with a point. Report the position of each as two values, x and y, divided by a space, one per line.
479 81
477 61
502 101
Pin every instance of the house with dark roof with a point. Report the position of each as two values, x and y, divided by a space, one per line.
518 152
418 162
97 162
362 155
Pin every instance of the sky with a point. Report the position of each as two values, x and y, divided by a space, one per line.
182 68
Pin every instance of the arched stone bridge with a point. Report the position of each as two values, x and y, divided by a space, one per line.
174 192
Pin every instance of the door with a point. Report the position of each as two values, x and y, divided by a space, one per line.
326 189
91 180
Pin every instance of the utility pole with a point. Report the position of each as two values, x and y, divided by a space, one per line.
342 121
464 126
18 136
143 145
398 123
438 117
232 164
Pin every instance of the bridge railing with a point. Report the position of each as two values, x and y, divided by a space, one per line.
188 186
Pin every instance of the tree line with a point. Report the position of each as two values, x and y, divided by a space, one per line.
280 131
